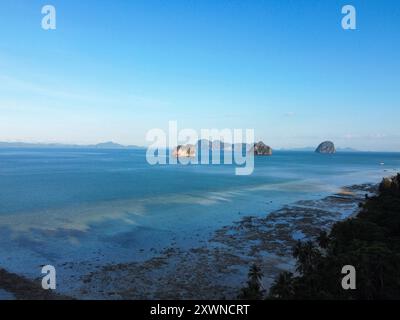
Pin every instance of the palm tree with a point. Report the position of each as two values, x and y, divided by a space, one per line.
254 290
283 287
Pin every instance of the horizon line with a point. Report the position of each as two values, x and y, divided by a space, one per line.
14 144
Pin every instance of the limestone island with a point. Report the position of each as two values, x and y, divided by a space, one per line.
188 151
326 147
261 149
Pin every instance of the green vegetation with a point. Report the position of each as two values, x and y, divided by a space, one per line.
253 290
370 242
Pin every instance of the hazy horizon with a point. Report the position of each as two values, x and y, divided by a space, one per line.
277 148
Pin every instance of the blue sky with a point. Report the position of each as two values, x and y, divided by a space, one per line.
112 70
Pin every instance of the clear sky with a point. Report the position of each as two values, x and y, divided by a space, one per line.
114 69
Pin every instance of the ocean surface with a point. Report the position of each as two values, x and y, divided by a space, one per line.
97 206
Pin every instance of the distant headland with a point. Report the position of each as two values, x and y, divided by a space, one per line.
103 145
260 147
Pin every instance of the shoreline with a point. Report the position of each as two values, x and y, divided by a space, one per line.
218 268
16 287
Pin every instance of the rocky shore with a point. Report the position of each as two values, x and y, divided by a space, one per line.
217 269
13 286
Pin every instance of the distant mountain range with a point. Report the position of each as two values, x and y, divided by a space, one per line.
113 145
103 145
313 149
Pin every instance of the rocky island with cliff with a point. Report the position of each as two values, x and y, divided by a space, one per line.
261 149
190 150
326 147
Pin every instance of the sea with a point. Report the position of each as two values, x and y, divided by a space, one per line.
100 206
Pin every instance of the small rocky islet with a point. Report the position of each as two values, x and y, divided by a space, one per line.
259 148
184 151
326 147
190 150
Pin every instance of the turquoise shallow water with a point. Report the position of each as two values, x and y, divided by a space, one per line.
99 206
42 179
